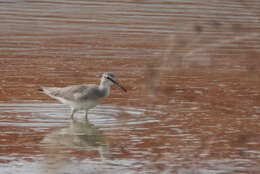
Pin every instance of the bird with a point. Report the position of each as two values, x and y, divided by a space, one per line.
84 96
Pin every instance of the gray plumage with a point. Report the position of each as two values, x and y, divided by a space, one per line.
77 93
83 97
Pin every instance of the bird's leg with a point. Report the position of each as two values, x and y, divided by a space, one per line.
86 115
72 113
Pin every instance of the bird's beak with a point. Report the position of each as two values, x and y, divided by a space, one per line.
116 83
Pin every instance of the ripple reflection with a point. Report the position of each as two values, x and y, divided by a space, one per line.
80 135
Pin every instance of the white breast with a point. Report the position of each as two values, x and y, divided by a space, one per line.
79 105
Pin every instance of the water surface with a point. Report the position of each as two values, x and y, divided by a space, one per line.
191 70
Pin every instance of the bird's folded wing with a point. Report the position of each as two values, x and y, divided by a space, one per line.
78 92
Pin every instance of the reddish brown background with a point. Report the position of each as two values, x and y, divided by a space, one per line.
191 69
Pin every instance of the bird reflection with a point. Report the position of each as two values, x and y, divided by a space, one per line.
80 135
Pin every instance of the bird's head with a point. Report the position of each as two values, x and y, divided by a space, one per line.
109 78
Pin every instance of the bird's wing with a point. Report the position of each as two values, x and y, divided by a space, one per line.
78 92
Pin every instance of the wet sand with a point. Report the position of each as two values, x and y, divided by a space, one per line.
191 70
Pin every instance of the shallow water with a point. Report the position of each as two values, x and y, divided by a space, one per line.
191 70
40 137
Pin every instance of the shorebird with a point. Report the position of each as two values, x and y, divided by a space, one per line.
85 96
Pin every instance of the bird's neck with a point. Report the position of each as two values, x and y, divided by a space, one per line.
104 86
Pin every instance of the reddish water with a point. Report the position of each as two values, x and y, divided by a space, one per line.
191 70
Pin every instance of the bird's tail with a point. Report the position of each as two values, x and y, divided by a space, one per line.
45 90
40 89
50 91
